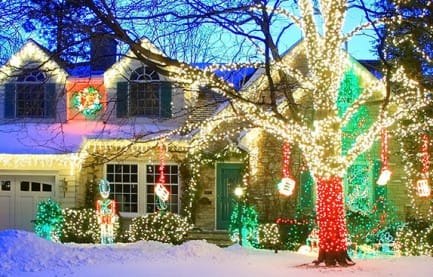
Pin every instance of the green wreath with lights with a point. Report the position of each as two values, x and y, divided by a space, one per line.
87 101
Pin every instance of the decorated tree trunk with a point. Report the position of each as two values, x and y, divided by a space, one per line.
331 222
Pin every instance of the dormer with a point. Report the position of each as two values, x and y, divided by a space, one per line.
32 86
136 91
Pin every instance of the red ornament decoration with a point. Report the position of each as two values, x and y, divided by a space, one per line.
160 190
422 186
287 184
385 173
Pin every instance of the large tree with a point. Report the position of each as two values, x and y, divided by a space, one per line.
260 29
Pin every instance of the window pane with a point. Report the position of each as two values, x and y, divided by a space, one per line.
46 187
36 186
25 186
125 186
171 183
5 185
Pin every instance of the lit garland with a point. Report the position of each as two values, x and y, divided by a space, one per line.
160 190
87 101
385 173
422 185
287 184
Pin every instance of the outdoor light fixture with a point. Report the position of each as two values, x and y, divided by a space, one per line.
239 191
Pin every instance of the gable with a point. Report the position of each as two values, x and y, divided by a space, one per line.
32 54
295 58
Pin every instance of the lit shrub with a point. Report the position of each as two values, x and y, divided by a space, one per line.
269 236
80 226
415 238
49 219
164 227
246 220
294 232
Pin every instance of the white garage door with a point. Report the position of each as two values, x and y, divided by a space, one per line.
19 196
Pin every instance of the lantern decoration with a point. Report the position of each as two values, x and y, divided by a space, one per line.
422 186
87 101
106 213
160 190
287 184
385 173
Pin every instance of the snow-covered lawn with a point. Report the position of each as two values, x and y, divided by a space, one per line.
25 254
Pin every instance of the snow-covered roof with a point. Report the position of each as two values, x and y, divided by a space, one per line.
61 138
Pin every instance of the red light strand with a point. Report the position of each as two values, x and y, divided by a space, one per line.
286 160
161 163
384 150
330 215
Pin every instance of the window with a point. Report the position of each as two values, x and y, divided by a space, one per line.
30 96
146 95
123 179
171 174
35 186
132 186
5 185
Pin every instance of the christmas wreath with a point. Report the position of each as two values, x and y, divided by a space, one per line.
87 101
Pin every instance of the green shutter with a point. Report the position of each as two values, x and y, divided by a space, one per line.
166 100
9 100
50 102
122 99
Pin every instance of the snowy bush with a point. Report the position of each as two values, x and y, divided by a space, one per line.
164 227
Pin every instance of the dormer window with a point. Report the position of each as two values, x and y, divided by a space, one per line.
30 96
145 95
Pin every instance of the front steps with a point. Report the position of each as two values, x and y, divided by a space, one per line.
220 238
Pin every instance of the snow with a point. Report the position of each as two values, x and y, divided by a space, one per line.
24 254
57 138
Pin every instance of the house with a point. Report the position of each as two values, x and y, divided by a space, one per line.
63 128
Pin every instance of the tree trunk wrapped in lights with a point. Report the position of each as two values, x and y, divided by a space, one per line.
332 222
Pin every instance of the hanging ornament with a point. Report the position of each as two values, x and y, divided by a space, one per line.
160 190
287 184
385 173
422 186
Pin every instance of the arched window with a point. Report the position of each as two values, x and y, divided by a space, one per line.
30 96
145 95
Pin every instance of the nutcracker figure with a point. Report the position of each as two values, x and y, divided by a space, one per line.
106 213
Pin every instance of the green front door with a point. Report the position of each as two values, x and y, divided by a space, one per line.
228 178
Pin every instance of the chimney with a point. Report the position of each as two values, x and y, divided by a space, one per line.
103 50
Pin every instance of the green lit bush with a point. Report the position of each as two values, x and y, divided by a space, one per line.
294 233
163 227
49 220
247 221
